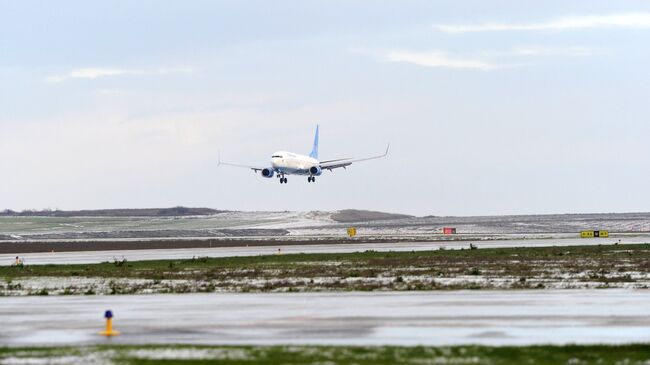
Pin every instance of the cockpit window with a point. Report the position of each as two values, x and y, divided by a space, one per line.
276 156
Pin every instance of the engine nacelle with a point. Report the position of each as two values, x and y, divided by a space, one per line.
315 170
267 172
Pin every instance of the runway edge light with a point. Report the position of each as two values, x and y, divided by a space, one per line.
109 325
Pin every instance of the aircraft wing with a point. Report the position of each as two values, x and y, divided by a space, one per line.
254 168
344 162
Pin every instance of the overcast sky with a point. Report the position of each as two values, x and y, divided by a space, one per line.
501 107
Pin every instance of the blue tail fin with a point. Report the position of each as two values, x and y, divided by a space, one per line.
314 150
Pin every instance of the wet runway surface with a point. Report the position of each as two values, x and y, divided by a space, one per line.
354 318
82 257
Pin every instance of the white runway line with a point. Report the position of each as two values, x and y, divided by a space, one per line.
395 318
88 257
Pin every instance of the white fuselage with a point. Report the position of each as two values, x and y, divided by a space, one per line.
292 163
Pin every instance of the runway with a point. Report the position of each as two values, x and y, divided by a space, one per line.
87 257
352 318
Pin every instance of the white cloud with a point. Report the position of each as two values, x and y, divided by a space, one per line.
482 60
94 73
627 20
436 59
554 51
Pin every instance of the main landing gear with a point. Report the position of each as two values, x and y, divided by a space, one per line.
283 180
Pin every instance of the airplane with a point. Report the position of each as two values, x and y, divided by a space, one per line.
286 163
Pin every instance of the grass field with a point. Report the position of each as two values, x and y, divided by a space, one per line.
626 266
537 355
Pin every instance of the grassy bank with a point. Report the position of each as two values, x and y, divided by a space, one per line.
539 355
504 268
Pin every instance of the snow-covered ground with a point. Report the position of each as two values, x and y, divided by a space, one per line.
554 279
299 224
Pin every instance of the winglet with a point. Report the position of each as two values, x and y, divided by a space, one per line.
218 158
314 149
387 148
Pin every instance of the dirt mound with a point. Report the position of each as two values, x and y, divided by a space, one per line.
354 215
147 212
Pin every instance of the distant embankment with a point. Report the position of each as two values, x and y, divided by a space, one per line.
353 215
146 212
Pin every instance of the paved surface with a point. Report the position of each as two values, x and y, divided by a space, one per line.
83 257
399 318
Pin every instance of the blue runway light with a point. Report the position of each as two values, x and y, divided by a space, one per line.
109 325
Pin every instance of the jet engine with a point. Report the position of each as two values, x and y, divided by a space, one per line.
315 170
267 172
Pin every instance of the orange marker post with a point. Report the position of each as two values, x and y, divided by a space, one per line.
109 325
